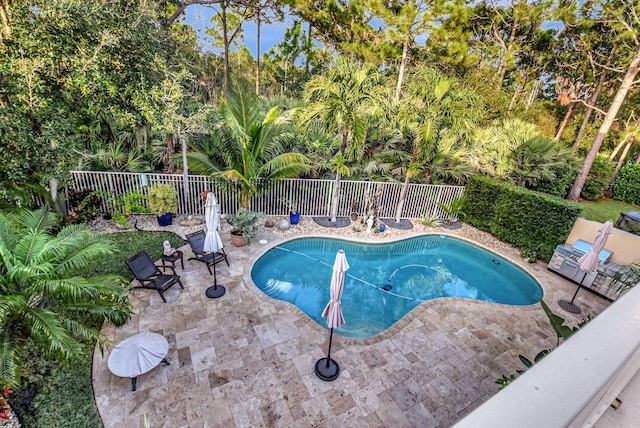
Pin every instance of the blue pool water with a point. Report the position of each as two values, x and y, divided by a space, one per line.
386 281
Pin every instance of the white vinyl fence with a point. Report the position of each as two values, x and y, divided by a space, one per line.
313 197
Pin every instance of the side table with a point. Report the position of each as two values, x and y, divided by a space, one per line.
172 259
137 355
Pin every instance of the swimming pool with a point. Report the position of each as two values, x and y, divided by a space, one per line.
386 281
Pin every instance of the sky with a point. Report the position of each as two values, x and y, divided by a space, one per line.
199 18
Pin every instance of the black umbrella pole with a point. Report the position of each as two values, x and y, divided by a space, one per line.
326 368
215 291
329 351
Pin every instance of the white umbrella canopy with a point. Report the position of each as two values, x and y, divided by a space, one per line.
137 354
333 310
589 261
212 241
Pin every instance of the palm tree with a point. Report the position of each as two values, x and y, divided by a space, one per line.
249 146
43 295
428 116
343 98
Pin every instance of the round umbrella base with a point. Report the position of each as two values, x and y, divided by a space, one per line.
327 373
215 291
569 307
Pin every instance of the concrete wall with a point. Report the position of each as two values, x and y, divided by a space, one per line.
624 245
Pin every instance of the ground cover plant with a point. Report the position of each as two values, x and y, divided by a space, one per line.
54 395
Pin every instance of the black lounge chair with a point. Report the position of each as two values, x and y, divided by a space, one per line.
196 241
149 276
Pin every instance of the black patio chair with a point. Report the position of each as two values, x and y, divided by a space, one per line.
196 242
149 276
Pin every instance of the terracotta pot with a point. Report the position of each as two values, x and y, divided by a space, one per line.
237 239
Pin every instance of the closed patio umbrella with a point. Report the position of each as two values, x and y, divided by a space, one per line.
327 368
212 240
589 262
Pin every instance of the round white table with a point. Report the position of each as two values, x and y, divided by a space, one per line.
137 355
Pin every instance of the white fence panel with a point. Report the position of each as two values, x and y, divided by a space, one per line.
312 197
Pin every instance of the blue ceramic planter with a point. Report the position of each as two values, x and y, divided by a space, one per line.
165 219
294 218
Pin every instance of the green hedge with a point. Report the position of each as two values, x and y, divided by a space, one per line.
627 184
535 222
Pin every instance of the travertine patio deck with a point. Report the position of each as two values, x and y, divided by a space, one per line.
246 360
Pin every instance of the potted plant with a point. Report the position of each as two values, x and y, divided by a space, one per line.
454 212
294 214
163 202
245 226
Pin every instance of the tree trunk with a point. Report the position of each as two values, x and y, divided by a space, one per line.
503 70
594 98
403 66
306 61
225 78
336 190
169 156
617 149
623 156
334 199
627 83
403 195
4 20
185 171
565 121
258 55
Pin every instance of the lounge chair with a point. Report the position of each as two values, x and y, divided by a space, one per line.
149 276
196 241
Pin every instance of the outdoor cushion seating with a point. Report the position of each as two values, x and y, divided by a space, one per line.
196 241
149 275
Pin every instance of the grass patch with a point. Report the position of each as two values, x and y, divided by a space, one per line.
127 244
55 395
606 209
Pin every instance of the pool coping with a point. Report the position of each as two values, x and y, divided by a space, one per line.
407 318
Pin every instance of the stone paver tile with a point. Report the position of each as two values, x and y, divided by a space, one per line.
187 338
317 410
420 417
276 413
203 356
392 416
407 394
247 413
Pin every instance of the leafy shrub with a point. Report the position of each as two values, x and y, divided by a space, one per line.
598 179
84 206
627 185
480 196
558 186
534 221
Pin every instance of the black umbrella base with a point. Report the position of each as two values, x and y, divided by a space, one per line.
569 307
327 373
215 291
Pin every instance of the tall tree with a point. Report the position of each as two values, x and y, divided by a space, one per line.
403 21
63 64
506 34
227 30
625 22
342 98
264 12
